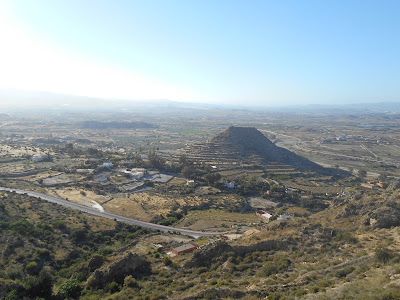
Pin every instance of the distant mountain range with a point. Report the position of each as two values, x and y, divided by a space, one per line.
14 99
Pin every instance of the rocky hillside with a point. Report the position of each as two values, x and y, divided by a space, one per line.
350 250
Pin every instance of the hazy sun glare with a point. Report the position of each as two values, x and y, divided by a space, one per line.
29 63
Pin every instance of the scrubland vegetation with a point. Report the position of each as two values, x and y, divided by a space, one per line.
52 252
333 233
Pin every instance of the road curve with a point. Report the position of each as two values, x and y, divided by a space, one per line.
109 215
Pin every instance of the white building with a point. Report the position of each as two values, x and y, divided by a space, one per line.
230 185
191 183
105 165
285 216
39 157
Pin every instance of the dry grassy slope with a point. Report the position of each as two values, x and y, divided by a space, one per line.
374 216
331 255
37 237
146 206
332 240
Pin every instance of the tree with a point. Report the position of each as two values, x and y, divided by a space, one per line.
183 160
138 161
40 286
155 161
362 173
382 177
212 178
93 151
188 172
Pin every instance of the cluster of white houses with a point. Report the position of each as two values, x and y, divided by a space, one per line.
136 173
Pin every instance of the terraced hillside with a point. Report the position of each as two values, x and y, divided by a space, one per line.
247 145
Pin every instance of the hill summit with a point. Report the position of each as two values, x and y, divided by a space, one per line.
247 145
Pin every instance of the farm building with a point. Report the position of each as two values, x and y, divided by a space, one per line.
191 183
368 186
136 173
264 214
285 216
105 165
230 185
184 248
381 184
40 157
82 171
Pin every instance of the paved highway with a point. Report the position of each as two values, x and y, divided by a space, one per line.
108 215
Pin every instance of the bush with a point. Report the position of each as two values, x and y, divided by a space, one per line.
32 268
273 218
22 227
346 237
105 252
113 287
39 286
78 235
11 296
70 289
393 295
130 282
344 272
4 225
167 261
278 265
383 255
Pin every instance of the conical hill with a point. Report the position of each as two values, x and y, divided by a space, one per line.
248 145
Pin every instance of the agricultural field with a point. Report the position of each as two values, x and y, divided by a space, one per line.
331 242
216 220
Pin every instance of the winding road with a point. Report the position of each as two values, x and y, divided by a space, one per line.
109 215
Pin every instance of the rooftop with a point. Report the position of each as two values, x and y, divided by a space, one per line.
184 247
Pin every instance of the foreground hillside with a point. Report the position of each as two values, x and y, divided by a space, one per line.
347 251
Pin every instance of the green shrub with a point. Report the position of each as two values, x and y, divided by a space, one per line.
344 272
4 225
130 282
59 224
23 228
167 261
392 295
345 236
278 265
105 251
113 287
383 255
78 235
32 268
11 295
39 286
70 289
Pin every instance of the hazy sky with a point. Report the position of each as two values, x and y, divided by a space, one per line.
239 52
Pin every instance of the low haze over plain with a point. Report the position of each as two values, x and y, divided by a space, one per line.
223 52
